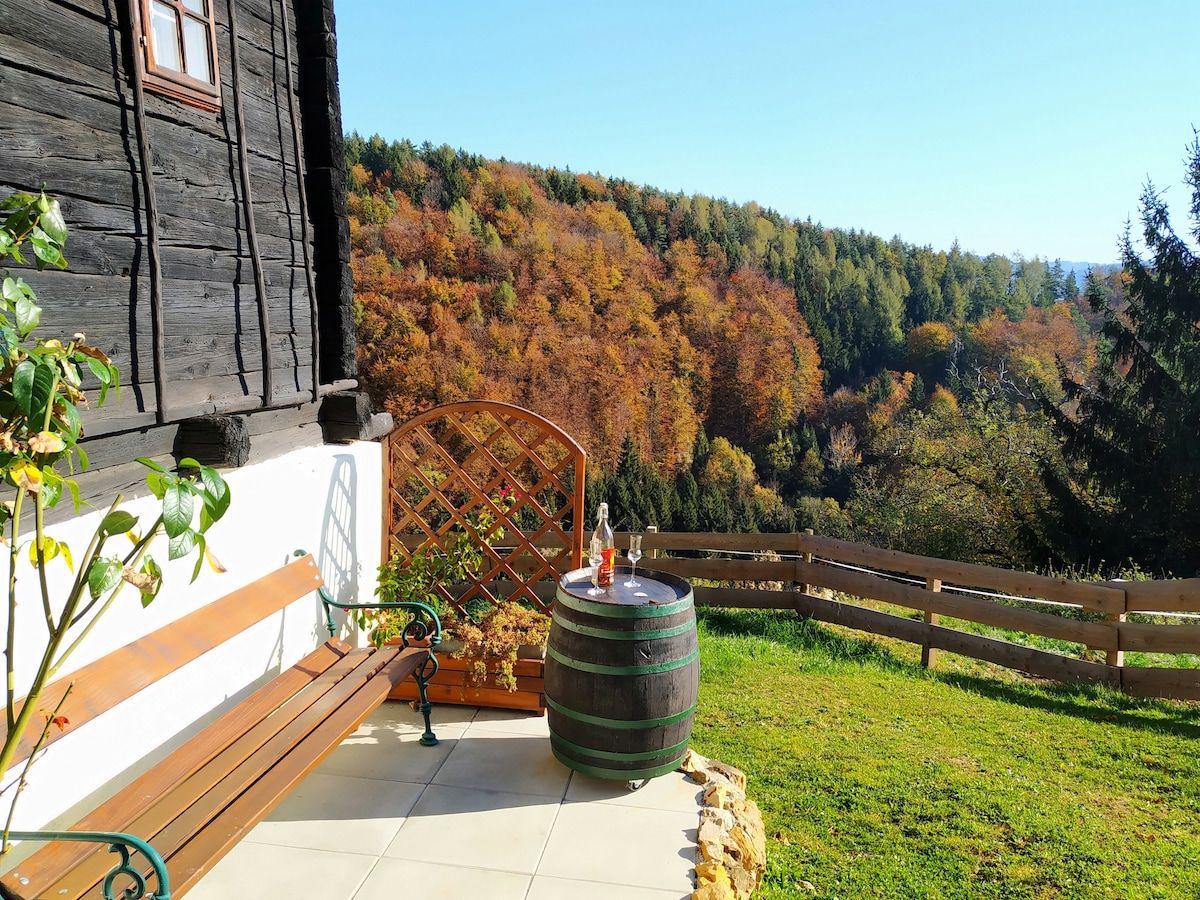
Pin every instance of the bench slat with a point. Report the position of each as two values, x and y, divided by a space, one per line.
107 681
117 813
195 860
190 807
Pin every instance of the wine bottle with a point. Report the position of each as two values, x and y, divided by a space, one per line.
608 549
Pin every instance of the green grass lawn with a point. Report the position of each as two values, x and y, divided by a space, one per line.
879 779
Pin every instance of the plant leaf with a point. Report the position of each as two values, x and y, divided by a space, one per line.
52 486
44 379
158 484
178 504
118 522
29 314
22 385
103 576
151 568
93 365
216 493
213 563
53 223
151 464
73 487
182 544
202 545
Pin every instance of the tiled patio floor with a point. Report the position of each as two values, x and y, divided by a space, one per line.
488 814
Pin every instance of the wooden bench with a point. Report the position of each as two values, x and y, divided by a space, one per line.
201 799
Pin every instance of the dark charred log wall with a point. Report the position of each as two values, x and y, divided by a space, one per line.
68 118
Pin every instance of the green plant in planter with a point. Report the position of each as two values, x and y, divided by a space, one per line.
416 580
496 638
489 634
41 393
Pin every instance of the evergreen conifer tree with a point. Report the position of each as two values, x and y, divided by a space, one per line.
1136 431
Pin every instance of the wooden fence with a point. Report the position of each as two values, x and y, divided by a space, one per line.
789 571
782 571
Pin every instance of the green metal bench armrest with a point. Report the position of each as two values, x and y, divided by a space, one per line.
118 843
425 630
418 629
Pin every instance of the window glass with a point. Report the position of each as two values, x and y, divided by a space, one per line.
180 53
195 50
165 34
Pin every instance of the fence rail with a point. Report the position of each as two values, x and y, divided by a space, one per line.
784 571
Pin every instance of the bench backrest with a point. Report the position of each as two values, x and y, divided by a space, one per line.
119 675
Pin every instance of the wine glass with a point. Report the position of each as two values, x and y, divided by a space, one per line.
595 558
634 554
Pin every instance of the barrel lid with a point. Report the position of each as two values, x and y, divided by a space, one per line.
659 588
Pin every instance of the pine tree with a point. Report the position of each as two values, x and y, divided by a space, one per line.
1137 430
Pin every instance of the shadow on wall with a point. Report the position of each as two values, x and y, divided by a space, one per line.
337 555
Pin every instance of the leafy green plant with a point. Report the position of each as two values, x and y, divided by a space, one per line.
41 394
418 578
490 634
493 642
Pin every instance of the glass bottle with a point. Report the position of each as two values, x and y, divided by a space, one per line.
604 535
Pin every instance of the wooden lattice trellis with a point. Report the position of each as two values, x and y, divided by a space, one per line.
455 465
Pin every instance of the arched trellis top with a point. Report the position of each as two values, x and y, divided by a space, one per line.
510 479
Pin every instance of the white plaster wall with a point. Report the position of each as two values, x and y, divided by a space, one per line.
325 499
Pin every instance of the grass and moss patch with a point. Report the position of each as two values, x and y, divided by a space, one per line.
878 778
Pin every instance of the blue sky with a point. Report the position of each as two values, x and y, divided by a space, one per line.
1025 127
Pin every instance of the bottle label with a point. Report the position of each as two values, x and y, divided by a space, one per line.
607 565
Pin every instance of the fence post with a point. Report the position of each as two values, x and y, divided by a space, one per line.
803 586
652 529
1116 657
928 653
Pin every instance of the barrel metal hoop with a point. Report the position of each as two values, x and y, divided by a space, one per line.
617 611
620 774
619 723
616 754
598 669
609 634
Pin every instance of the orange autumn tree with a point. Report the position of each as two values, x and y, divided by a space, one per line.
558 307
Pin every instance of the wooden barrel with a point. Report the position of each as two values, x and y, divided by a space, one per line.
622 674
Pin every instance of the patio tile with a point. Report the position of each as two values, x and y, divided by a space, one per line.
386 746
510 721
544 888
432 881
254 871
673 791
482 829
333 812
501 761
648 848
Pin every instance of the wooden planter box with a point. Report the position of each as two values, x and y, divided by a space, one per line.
450 685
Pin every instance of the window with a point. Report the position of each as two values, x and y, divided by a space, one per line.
179 48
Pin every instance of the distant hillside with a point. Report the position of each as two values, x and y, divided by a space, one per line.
1080 269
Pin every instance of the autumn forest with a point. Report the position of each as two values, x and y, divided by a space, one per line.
730 369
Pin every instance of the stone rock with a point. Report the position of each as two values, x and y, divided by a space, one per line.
703 770
723 817
743 882
731 842
733 775
714 892
710 872
720 793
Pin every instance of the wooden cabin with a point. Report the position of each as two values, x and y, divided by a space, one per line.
196 149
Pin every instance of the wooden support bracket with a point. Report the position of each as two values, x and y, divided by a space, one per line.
346 416
214 440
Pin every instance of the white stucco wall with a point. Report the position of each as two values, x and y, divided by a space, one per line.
324 499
